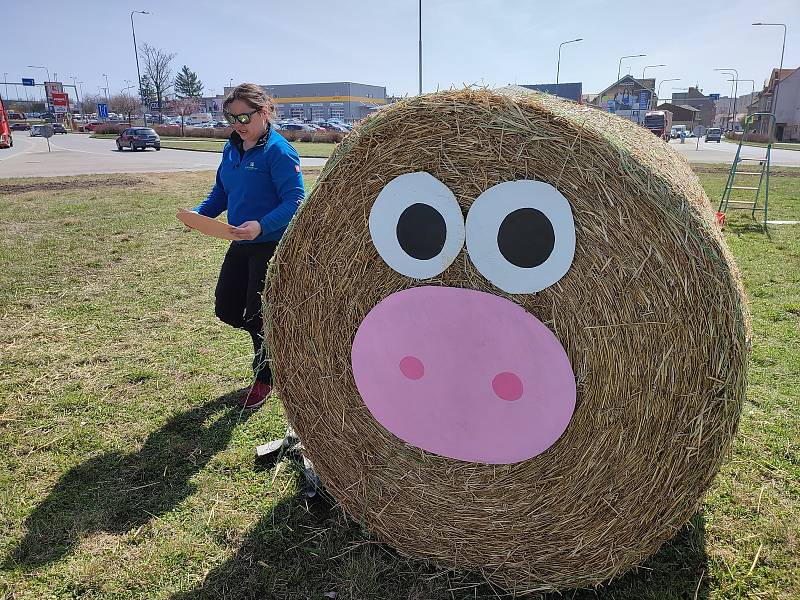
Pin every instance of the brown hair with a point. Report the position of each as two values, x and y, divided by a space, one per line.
253 95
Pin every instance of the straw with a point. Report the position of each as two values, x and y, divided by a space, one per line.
651 315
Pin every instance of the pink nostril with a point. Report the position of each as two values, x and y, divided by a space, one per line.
412 367
507 386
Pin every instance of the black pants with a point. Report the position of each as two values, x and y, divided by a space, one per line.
238 296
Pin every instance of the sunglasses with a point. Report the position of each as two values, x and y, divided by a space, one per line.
243 118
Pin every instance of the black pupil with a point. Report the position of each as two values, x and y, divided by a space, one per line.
526 237
421 231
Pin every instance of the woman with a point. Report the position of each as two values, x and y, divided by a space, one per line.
260 184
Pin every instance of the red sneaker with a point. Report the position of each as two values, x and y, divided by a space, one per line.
257 395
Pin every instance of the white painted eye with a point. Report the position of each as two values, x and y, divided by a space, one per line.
416 225
521 235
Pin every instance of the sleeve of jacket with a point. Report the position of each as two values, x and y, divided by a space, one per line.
217 200
284 166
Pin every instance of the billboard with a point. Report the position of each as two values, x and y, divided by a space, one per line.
60 102
627 98
51 87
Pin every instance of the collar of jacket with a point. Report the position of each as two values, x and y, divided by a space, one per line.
238 143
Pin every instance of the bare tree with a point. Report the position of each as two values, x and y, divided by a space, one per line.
89 103
158 70
185 107
125 104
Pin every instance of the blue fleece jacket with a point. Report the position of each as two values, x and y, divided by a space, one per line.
263 184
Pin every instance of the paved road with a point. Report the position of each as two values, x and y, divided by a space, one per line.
76 154
725 151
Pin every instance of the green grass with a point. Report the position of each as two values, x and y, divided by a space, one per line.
305 149
126 474
778 145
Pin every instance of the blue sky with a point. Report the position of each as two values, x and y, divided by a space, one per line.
484 42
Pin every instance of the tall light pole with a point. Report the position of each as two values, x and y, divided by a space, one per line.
658 94
650 67
77 96
619 68
107 87
45 68
735 73
558 66
778 80
46 98
136 54
420 47
752 83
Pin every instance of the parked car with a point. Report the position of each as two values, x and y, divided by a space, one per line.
297 127
92 126
138 138
58 128
714 134
23 126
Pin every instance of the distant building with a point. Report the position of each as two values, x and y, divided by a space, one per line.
629 97
787 111
695 98
319 101
570 91
682 114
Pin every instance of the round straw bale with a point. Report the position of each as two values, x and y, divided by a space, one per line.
650 314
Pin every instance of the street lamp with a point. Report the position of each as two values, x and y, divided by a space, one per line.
558 66
619 68
136 54
658 93
47 99
77 96
650 67
735 73
107 87
752 89
420 47
778 79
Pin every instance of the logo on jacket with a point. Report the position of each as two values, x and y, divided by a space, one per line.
251 166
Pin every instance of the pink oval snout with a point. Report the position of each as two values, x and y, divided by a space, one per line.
463 374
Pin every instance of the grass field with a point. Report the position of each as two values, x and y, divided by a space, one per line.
126 472
306 149
777 145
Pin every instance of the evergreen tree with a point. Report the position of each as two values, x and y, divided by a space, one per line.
147 92
187 84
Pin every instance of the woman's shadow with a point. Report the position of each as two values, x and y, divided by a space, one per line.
116 492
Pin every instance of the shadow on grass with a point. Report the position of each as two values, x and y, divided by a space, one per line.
310 549
115 492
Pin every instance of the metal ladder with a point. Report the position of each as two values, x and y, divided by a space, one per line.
727 203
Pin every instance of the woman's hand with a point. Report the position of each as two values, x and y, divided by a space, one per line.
249 230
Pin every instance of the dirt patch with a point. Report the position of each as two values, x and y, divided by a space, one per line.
49 185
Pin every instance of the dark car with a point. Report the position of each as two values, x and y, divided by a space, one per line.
20 126
58 128
138 138
714 134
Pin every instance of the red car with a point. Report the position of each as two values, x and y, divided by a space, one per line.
92 126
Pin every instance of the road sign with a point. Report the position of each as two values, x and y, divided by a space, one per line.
713 96
155 105
102 110
47 131
26 81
